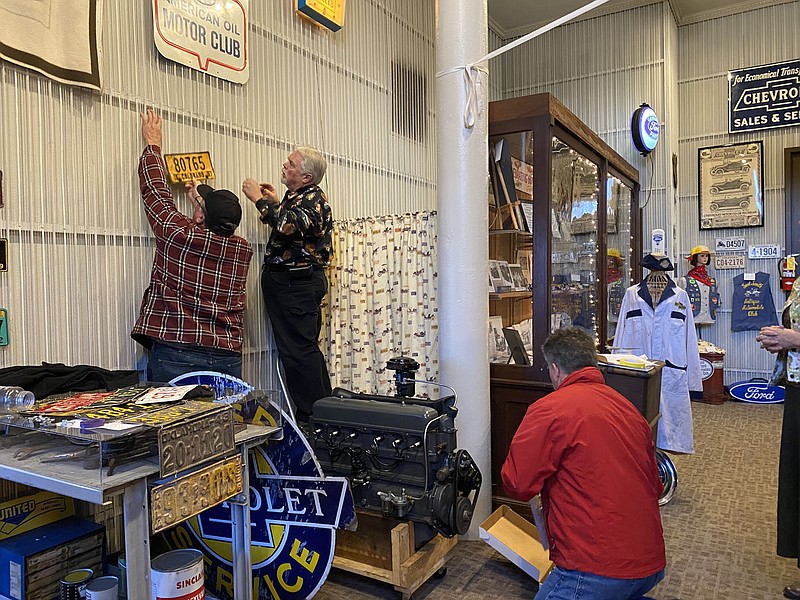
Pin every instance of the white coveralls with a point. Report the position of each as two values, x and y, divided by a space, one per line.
665 333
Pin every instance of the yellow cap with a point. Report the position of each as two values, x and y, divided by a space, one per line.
614 253
698 250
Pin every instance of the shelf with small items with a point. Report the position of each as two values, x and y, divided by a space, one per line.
515 295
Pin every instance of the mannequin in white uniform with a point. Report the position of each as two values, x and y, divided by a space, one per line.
656 320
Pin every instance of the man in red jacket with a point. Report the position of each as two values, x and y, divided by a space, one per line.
590 454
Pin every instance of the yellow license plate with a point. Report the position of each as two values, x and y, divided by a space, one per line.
187 496
185 167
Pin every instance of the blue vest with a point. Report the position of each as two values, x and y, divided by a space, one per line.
695 298
752 306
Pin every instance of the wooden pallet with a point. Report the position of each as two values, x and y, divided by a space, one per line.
384 549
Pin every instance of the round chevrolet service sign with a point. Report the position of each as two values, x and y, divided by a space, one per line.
292 519
289 560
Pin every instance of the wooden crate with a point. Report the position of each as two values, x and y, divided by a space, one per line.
384 549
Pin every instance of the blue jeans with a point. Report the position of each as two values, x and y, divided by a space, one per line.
168 361
563 584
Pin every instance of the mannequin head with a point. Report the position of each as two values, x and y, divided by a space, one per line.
700 256
613 259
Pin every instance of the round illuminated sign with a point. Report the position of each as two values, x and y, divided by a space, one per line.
645 129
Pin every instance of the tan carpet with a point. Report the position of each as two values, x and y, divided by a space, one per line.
719 528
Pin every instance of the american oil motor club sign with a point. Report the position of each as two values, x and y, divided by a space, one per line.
764 97
206 35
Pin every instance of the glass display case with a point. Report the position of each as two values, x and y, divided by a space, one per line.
563 208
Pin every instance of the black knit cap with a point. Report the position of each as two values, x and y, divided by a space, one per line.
657 262
223 211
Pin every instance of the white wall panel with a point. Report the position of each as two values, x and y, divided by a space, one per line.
496 68
602 69
80 248
708 50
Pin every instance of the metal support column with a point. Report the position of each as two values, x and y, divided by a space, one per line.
137 540
462 168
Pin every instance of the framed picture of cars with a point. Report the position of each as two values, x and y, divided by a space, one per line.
731 186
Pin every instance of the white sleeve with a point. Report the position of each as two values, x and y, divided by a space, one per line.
619 332
693 374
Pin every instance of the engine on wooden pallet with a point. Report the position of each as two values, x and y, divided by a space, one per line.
399 453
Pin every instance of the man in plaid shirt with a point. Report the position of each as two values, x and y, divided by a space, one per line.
192 313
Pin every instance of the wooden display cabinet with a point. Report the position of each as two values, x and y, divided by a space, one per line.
564 197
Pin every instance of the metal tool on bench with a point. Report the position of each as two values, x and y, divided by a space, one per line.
399 453
30 445
116 454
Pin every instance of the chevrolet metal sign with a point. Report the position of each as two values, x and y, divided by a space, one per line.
764 97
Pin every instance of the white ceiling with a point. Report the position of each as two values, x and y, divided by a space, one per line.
515 17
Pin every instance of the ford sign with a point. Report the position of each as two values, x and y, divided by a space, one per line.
757 392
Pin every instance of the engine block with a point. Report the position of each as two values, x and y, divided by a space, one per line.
400 456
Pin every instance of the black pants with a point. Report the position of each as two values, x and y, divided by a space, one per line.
293 304
789 477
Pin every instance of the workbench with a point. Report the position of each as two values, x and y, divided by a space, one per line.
130 481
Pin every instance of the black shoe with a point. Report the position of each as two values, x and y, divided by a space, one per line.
792 591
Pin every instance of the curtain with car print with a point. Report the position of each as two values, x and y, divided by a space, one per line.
382 301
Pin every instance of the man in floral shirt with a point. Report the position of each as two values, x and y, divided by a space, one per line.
293 278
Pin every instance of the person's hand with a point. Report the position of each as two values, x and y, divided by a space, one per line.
199 215
776 338
191 189
151 128
269 192
256 191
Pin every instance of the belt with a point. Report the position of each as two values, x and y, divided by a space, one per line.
284 268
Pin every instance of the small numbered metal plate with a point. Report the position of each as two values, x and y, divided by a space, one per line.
172 414
187 496
188 443
185 167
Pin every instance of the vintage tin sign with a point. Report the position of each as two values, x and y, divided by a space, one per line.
764 97
206 35
757 392
174 502
187 443
327 13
